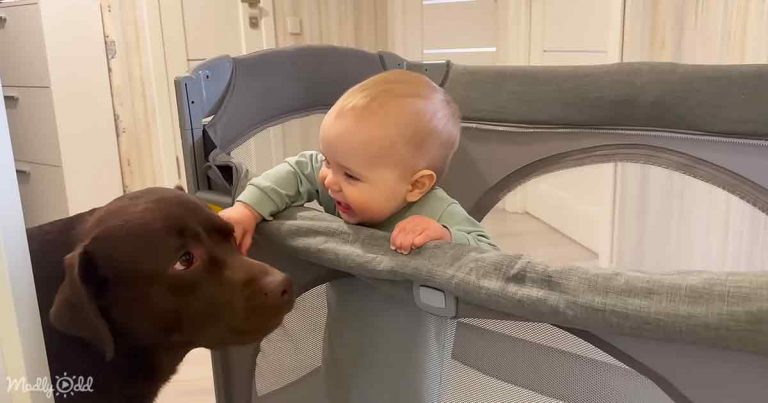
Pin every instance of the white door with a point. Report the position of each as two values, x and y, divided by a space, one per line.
197 30
229 27
578 202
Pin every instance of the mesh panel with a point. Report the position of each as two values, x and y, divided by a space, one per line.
467 385
296 347
443 332
256 152
291 137
459 383
546 335
509 361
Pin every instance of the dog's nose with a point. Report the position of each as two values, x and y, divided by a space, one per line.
278 287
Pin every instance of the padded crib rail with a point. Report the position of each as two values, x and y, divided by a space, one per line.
248 93
269 87
720 99
727 310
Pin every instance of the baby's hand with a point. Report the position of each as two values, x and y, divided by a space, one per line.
244 219
415 231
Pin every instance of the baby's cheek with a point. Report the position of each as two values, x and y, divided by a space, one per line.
322 176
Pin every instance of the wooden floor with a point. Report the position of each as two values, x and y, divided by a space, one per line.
193 383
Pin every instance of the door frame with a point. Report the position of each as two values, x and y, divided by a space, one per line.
157 39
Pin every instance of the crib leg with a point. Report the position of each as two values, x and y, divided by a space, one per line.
233 373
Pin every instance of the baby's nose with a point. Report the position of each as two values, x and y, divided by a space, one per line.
331 183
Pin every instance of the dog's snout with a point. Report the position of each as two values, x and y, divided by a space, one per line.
266 286
277 287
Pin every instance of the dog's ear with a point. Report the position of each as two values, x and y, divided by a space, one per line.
74 309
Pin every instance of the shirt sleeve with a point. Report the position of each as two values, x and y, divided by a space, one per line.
464 229
291 183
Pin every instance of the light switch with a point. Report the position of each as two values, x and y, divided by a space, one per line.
294 25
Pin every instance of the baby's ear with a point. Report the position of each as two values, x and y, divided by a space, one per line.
421 183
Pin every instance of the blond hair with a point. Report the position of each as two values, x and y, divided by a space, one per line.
441 118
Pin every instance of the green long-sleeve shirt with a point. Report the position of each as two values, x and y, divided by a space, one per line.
295 182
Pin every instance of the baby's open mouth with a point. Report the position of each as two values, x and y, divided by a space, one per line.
343 207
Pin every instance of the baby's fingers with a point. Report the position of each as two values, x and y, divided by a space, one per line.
435 233
245 242
400 239
421 240
237 234
241 240
405 244
398 242
395 237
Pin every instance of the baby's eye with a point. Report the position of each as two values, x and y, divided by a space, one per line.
351 177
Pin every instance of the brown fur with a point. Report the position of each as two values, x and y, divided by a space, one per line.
120 313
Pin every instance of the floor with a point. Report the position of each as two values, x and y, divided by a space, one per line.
514 233
524 233
193 383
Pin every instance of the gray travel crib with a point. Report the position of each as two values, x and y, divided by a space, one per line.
454 323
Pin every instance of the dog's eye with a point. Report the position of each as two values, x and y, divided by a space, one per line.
186 260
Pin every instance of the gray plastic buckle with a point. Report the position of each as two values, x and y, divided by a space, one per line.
434 300
437 71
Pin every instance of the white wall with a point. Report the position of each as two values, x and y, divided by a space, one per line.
667 221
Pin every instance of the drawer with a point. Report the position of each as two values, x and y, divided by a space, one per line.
22 49
43 196
32 123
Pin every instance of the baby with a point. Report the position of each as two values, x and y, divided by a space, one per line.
383 146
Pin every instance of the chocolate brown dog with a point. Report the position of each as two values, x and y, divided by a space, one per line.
126 290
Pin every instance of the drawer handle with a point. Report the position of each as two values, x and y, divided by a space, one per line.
11 97
3 20
23 169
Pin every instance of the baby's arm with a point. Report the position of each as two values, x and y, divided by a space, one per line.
244 219
453 225
464 229
415 231
291 183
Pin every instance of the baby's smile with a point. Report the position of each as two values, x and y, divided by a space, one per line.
343 207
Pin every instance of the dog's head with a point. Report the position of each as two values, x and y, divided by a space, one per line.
157 266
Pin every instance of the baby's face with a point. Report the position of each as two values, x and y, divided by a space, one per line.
365 170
